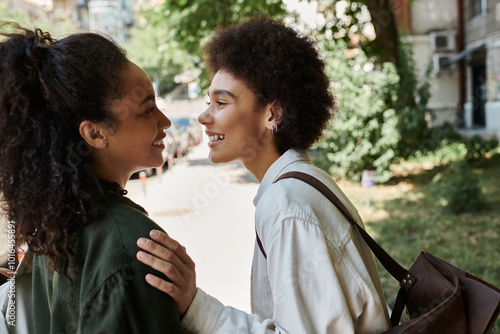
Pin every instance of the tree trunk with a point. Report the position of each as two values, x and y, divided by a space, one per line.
384 22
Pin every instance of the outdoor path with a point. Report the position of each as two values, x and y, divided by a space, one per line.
208 209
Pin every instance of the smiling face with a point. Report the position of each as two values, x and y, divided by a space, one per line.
237 127
136 142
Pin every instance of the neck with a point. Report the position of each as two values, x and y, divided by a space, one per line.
111 174
260 163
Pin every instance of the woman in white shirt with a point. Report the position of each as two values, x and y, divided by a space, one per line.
270 100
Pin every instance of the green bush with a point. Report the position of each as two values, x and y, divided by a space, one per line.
363 133
460 188
375 125
477 147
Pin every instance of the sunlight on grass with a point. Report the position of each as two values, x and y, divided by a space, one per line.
408 215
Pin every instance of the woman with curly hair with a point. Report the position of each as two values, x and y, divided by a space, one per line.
312 272
76 120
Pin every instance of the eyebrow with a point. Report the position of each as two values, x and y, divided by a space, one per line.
222 92
148 98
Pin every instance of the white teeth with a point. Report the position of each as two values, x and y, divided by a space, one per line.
216 137
158 143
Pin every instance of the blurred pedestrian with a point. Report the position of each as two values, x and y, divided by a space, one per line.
270 101
76 120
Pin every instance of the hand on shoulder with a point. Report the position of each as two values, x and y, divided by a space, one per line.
170 258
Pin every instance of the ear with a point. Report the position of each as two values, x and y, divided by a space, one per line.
275 112
94 134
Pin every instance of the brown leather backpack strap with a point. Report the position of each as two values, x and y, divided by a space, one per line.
260 245
396 270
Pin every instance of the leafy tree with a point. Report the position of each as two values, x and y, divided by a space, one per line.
57 26
195 20
157 51
351 23
374 126
363 134
411 105
348 20
192 22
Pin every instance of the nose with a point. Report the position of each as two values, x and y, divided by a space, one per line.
163 121
205 117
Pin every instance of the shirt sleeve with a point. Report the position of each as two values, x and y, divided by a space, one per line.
301 274
315 286
208 315
127 304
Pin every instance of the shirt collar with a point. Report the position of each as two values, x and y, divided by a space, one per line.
286 159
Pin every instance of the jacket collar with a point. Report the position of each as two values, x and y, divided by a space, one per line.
286 159
109 197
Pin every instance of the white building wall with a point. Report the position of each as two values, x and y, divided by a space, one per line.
432 15
429 16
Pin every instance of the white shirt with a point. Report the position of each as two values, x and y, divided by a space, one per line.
319 276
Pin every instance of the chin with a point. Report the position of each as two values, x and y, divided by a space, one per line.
217 159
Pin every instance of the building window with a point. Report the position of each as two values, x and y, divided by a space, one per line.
478 7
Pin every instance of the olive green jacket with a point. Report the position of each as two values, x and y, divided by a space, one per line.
109 293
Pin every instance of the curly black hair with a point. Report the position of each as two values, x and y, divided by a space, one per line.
278 64
48 87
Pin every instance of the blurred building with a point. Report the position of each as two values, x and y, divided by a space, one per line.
110 17
461 38
480 57
431 27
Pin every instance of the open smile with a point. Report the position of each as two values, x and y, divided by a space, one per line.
216 137
159 143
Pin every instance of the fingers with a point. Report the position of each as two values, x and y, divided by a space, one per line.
182 299
159 250
159 283
162 285
170 258
164 239
163 257
168 268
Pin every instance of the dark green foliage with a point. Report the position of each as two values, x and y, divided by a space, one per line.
377 123
460 188
153 47
411 106
478 146
188 25
363 133
195 20
458 184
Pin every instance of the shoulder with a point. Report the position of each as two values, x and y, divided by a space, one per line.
124 303
128 220
293 199
109 244
293 196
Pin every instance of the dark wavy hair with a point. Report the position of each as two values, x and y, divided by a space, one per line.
48 87
278 64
